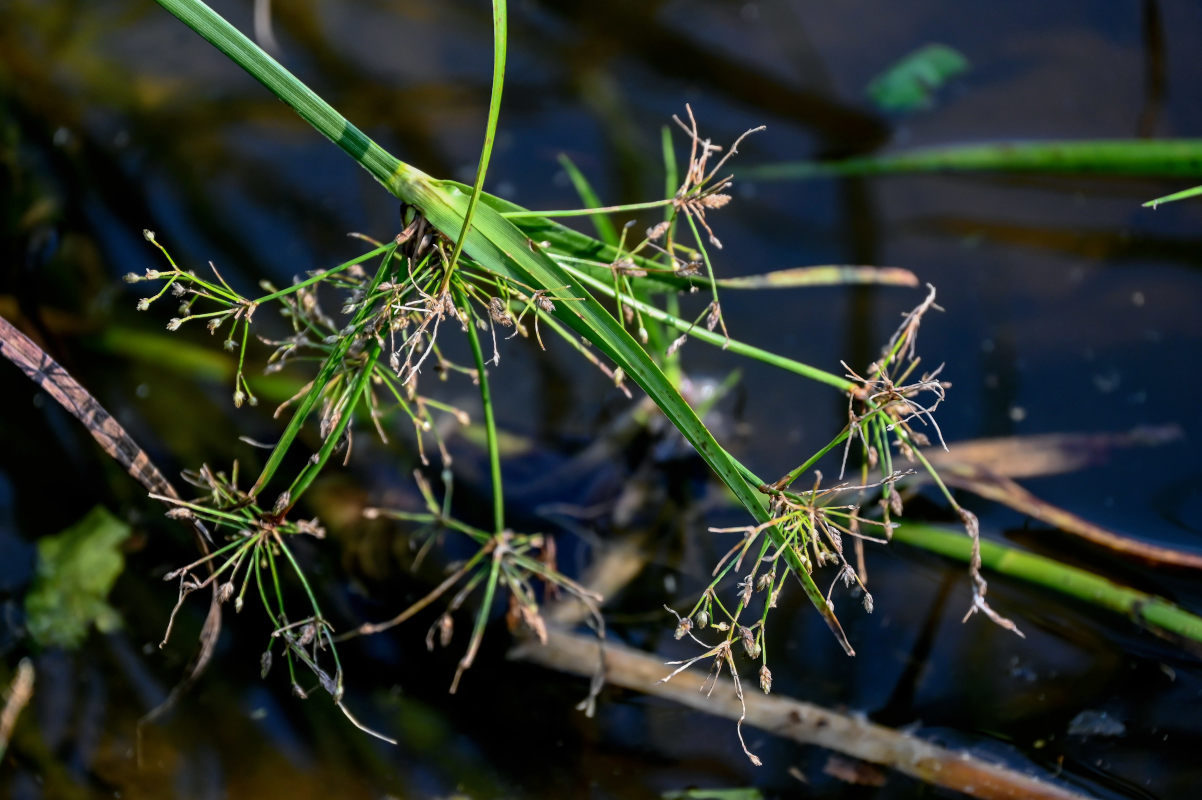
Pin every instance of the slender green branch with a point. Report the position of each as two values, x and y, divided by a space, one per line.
490 423
587 212
313 468
329 367
324 274
500 43
733 345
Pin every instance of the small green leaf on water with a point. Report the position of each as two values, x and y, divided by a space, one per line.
911 83
76 570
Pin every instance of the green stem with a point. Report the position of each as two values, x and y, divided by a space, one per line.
324 274
587 212
500 40
396 176
313 468
842 384
490 423
1154 613
331 365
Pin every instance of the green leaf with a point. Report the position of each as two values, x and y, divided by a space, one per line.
606 231
1184 194
822 275
76 571
910 84
1134 157
1154 613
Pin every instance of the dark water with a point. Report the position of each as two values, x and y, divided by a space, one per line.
1068 308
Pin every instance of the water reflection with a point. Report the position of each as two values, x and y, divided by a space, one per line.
115 118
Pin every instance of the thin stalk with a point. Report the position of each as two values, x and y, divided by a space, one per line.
304 581
490 425
733 345
329 367
500 18
709 271
490 592
587 212
324 274
313 468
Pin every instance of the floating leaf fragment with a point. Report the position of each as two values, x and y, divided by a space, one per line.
910 84
76 571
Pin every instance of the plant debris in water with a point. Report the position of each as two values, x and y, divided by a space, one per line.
76 571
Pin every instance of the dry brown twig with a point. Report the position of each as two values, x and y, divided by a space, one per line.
16 698
50 376
792 719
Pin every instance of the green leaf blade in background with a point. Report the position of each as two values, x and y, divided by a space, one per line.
1118 157
76 571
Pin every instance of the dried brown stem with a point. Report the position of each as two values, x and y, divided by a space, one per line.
792 719
50 376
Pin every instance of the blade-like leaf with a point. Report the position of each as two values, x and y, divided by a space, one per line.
1184 194
825 275
606 231
1154 613
1167 157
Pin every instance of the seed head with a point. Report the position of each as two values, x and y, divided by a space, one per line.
654 234
446 628
750 645
684 626
627 266
174 323
766 679
499 313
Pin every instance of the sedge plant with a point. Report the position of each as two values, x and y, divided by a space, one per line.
469 264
